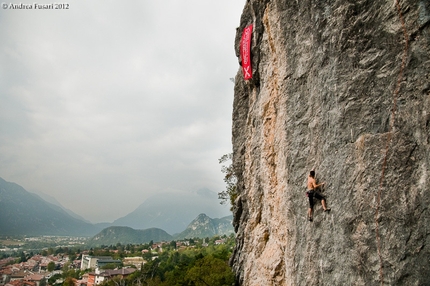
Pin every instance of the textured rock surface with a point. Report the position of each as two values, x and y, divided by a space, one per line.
342 86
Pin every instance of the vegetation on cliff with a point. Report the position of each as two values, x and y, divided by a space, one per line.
230 192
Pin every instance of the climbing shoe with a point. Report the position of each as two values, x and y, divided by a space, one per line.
310 218
327 210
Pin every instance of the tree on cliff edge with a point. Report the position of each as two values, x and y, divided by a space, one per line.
230 193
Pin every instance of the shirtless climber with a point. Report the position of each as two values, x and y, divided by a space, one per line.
312 192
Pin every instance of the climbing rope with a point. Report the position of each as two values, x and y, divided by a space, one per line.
387 143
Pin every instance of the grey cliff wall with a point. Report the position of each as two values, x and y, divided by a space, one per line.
342 86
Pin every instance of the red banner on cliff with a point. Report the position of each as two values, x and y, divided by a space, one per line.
245 52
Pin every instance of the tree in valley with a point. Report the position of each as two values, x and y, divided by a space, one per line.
210 271
69 282
51 266
23 257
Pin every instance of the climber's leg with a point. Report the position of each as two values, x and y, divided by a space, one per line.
326 209
310 214
311 205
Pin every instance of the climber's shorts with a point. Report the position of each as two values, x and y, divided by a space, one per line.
311 194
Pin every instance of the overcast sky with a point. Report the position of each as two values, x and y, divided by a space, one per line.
109 102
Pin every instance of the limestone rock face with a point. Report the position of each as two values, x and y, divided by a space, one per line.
341 86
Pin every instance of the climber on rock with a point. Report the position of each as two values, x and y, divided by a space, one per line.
312 193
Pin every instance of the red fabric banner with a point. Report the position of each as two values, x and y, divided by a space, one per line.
245 52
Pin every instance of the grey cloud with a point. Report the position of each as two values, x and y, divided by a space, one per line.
116 98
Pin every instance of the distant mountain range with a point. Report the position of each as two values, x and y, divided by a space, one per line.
56 204
25 213
202 226
126 235
173 211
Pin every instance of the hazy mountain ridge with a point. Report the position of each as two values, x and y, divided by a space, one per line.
203 226
58 206
173 211
26 213
128 235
